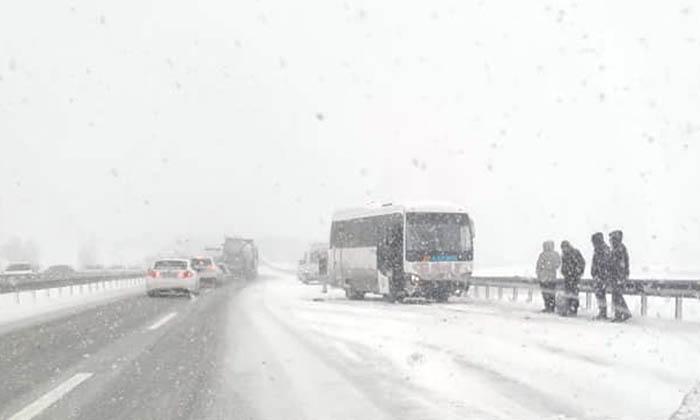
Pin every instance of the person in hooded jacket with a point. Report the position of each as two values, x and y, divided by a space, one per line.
572 267
600 272
548 263
620 272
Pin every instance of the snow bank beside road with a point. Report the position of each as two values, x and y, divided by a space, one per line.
18 306
490 359
657 307
690 408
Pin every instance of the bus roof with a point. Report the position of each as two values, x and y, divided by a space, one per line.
389 208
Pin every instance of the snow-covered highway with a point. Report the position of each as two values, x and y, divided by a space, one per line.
276 349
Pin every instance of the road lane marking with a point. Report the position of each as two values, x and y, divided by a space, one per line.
51 397
162 321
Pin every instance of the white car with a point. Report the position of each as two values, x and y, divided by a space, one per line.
17 272
172 275
313 268
208 271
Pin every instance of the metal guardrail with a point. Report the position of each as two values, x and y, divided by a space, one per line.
677 289
9 284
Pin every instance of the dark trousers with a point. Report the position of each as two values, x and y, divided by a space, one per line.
618 301
548 295
571 296
602 300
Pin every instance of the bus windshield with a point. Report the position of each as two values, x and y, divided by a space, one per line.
437 237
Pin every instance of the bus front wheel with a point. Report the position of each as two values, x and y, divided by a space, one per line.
441 296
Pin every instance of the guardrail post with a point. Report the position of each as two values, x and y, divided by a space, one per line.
488 292
679 308
515 294
500 293
644 305
34 295
476 291
71 290
17 297
529 294
588 300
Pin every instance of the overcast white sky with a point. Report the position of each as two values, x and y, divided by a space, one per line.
137 121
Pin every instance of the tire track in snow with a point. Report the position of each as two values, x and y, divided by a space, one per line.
569 353
525 395
381 379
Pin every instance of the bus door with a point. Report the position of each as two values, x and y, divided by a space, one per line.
390 258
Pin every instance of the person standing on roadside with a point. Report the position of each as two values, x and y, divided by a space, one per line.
547 265
600 272
620 272
572 267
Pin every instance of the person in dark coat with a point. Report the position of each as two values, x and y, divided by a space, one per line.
548 263
572 267
600 272
619 273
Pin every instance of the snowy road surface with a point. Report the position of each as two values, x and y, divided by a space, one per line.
275 349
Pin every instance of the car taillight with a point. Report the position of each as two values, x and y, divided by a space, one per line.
186 274
153 273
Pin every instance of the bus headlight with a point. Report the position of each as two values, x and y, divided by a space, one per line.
465 268
413 279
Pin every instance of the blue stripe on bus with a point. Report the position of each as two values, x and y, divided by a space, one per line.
444 258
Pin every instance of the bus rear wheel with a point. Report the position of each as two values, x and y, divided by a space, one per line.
391 298
353 294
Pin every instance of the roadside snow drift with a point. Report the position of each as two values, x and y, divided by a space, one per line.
312 355
17 306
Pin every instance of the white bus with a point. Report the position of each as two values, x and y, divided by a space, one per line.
401 251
